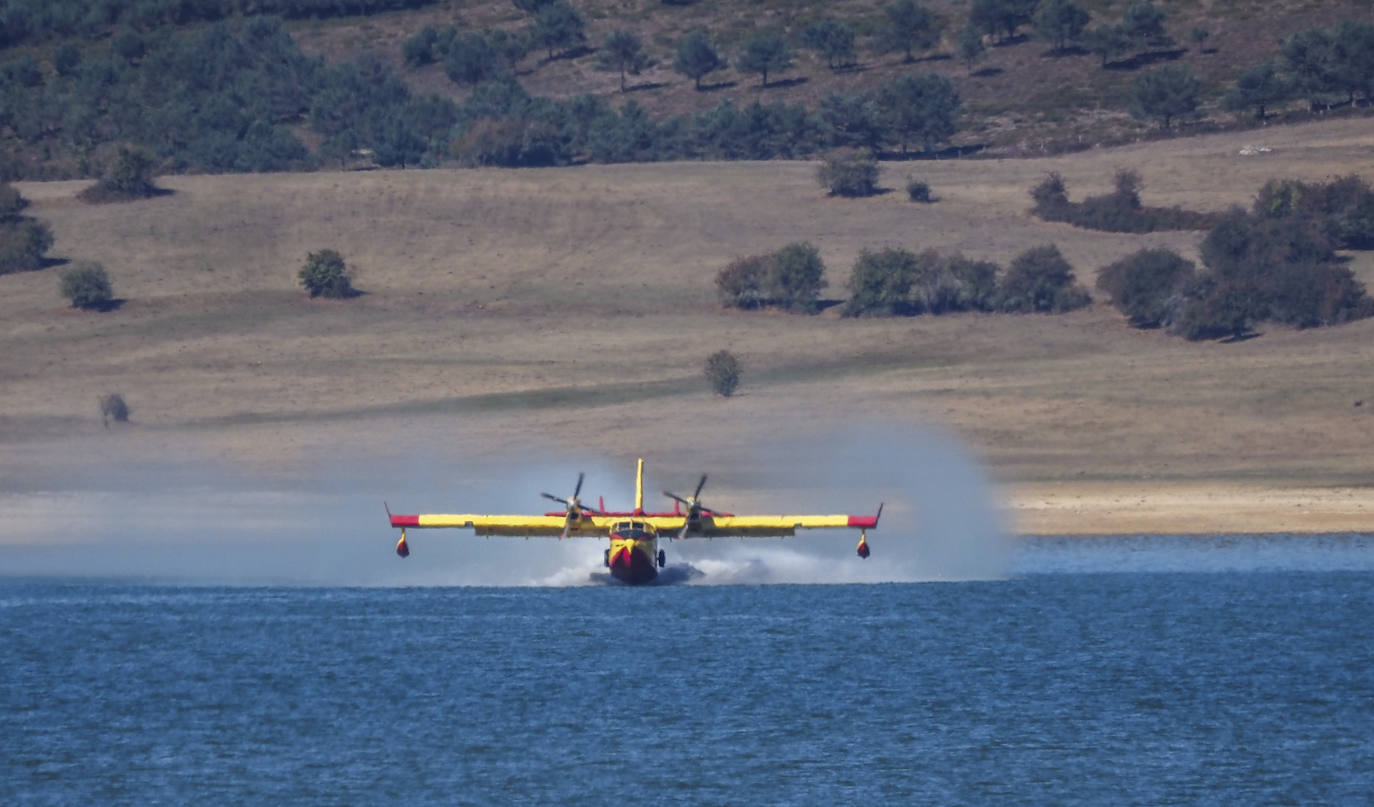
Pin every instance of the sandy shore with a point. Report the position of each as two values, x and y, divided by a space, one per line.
1124 508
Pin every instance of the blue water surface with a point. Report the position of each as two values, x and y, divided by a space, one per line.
1144 671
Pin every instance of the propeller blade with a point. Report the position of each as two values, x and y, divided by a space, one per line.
700 485
559 499
578 489
673 495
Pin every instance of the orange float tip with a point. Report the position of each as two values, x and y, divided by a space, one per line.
862 548
403 548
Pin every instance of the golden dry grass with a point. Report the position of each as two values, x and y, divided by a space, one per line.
573 308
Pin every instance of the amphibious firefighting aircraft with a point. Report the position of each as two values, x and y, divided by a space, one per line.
634 555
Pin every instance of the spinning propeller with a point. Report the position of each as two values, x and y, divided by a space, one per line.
694 508
574 505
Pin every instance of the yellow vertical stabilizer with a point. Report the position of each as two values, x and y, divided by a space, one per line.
639 486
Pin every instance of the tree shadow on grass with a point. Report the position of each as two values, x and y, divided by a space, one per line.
784 83
1146 59
718 86
645 86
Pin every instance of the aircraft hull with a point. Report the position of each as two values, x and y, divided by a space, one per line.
633 562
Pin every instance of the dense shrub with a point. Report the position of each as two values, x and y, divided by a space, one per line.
1120 211
87 286
918 191
723 371
126 175
849 172
326 275
1343 209
113 407
1040 280
791 278
1147 286
880 283
23 241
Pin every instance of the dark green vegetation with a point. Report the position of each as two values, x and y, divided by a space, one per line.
23 239
87 286
326 275
113 407
723 371
790 278
900 282
849 172
1275 263
1117 212
219 87
127 175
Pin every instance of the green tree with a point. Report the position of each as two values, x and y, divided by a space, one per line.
1165 93
418 50
849 172
1061 22
919 108
723 371
1001 18
1040 280
624 52
1143 25
970 44
696 56
764 53
87 286
113 407
126 175
740 283
66 58
908 27
1147 286
326 275
880 283
473 58
1258 88
833 39
1352 59
23 241
1106 41
852 120
796 277
1307 59
558 28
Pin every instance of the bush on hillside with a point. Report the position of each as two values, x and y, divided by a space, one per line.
1147 286
918 190
87 286
723 371
849 172
1040 280
790 278
1343 209
126 175
900 282
880 283
1119 211
113 407
326 275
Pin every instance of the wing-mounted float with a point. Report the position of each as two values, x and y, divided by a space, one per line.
634 555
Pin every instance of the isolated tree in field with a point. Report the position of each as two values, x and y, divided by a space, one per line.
126 175
1106 41
919 108
764 53
907 28
113 407
1258 88
970 44
1165 93
833 39
797 277
623 51
1147 286
849 172
740 283
697 56
326 275
1040 280
23 240
1060 22
723 371
558 28
87 286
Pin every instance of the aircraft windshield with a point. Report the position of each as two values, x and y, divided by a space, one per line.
636 530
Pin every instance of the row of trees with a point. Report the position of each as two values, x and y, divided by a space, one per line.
1119 211
1277 263
898 282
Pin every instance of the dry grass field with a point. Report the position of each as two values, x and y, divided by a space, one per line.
570 311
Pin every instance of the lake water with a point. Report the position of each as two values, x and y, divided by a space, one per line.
1125 671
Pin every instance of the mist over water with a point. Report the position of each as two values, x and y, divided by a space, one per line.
215 526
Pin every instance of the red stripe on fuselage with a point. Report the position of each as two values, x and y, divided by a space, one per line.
633 565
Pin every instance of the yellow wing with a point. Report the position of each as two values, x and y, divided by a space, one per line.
711 526
770 526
